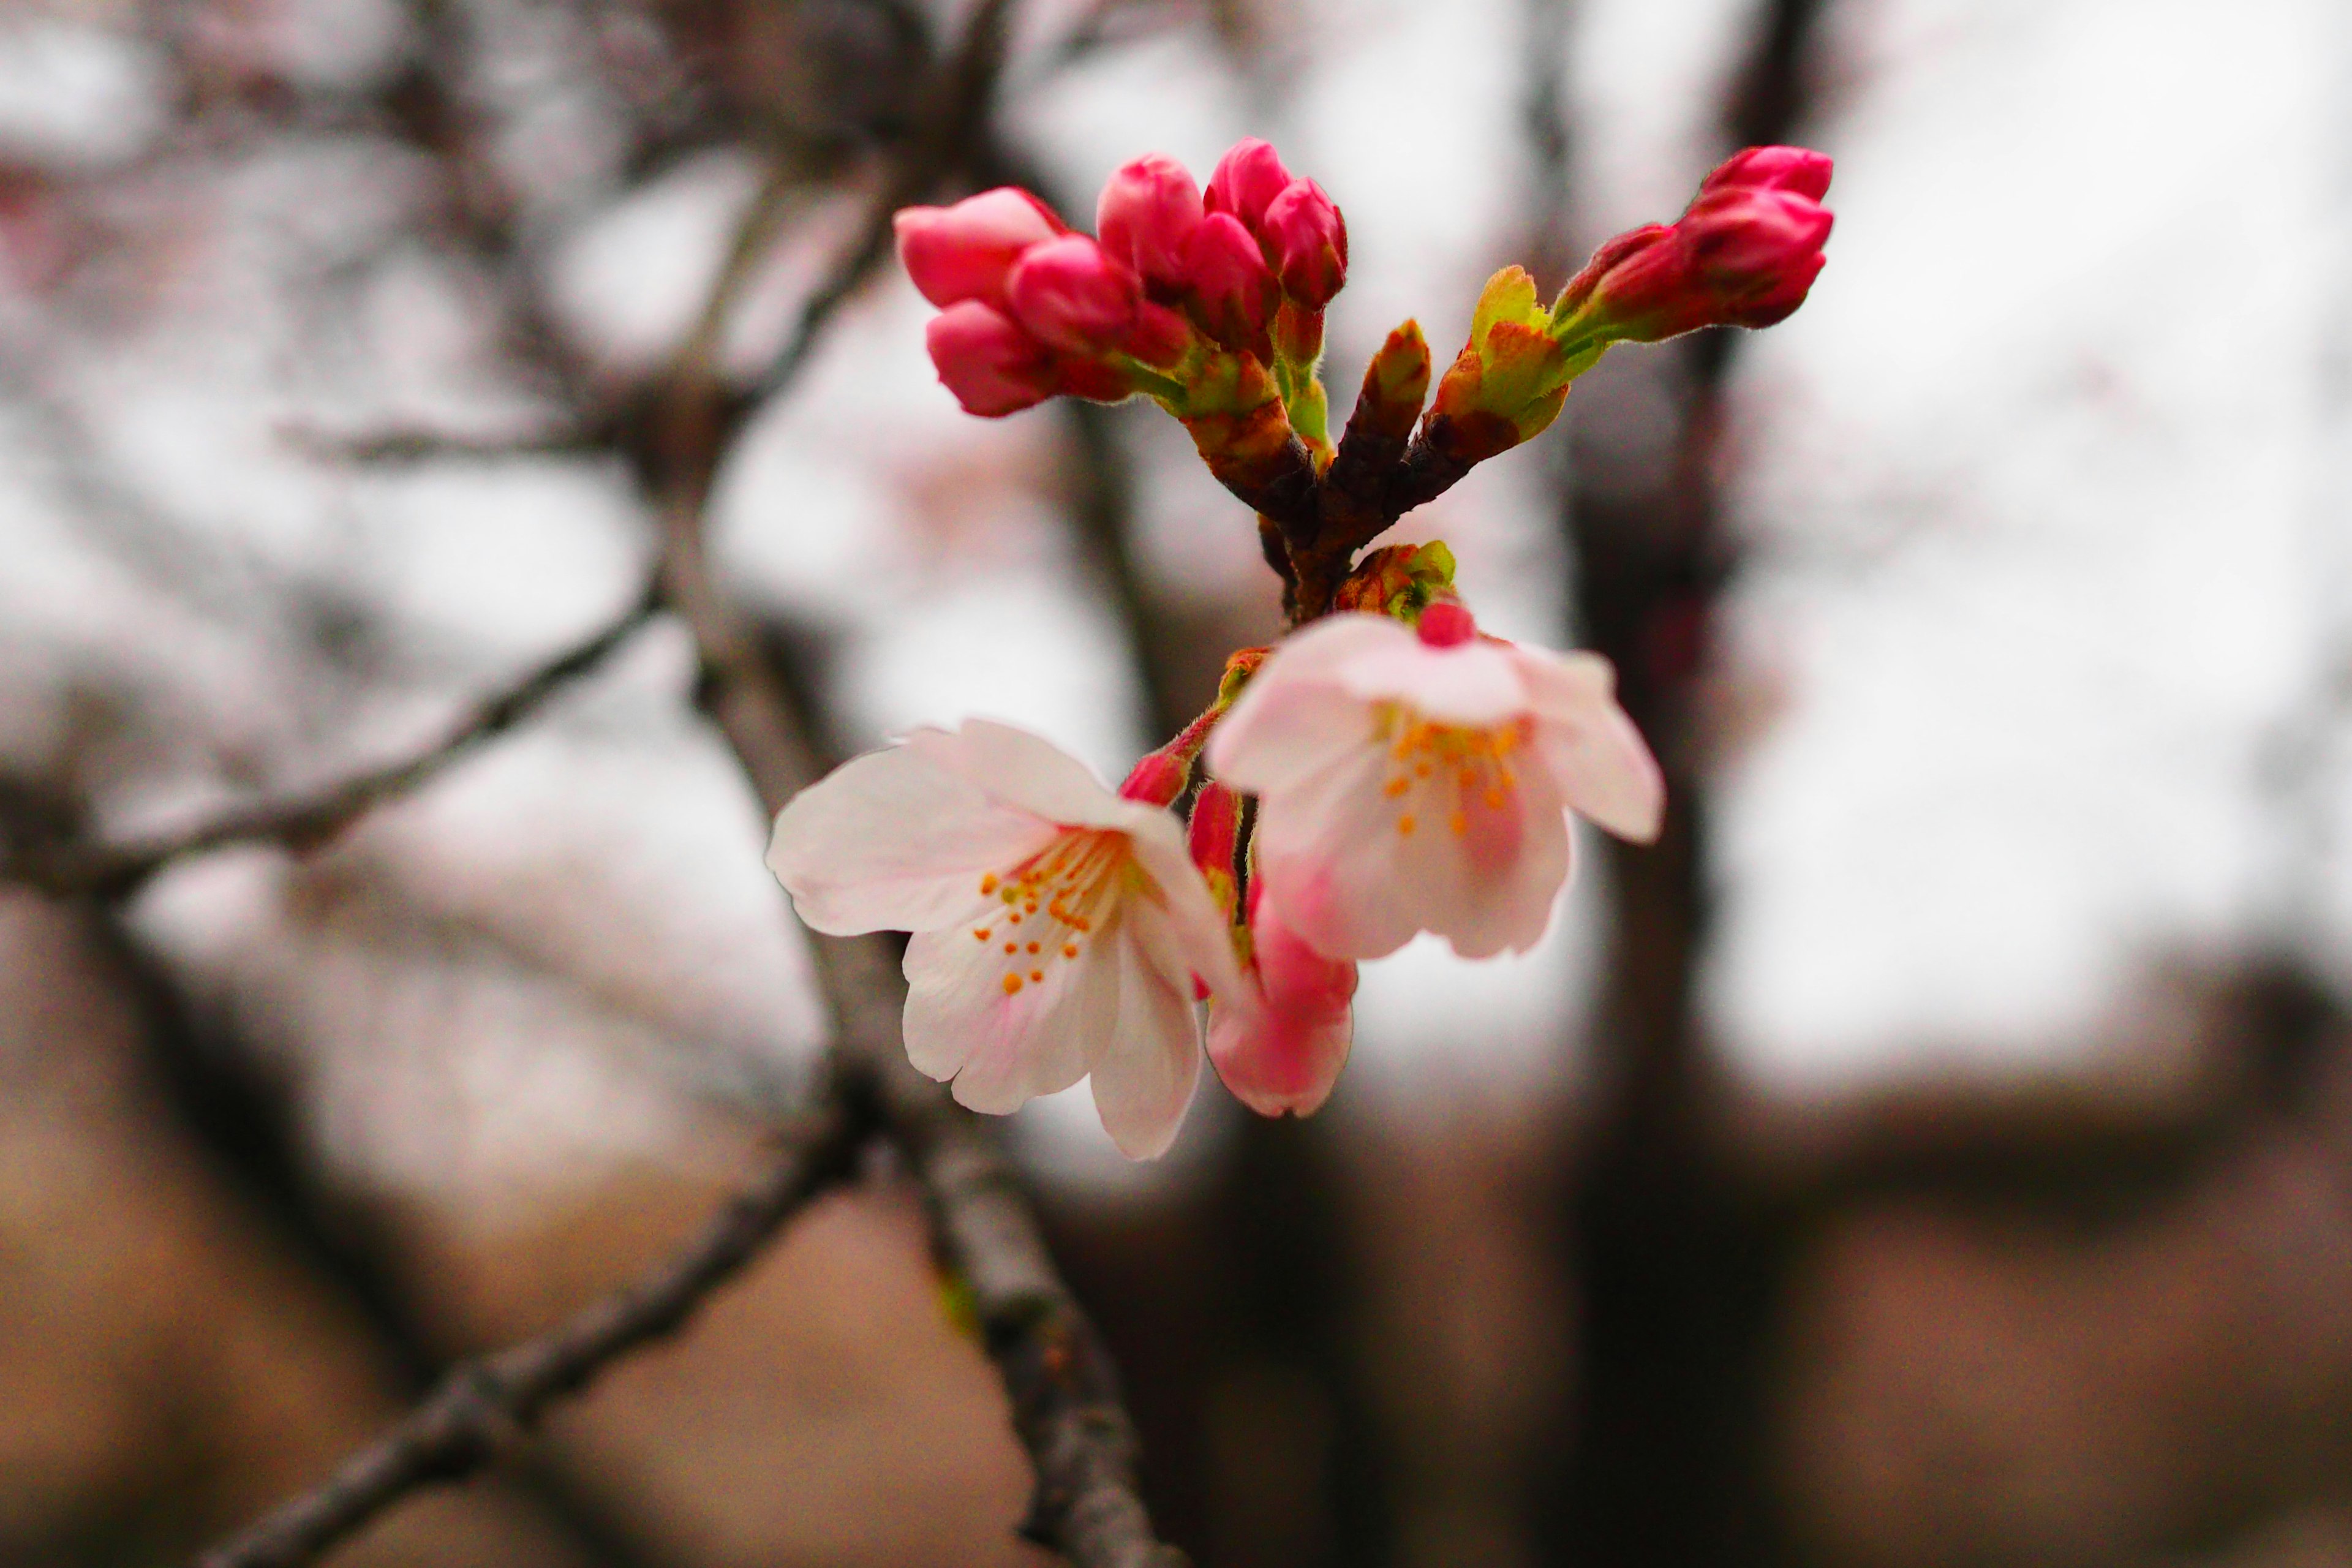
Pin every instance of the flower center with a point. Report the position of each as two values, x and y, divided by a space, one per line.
1052 902
1474 760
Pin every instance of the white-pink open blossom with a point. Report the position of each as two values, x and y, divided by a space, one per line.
1058 929
1419 782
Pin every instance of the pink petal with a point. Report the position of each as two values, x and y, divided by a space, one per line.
1595 755
891 841
1473 684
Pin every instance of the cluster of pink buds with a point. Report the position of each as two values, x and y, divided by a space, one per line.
1409 773
1211 302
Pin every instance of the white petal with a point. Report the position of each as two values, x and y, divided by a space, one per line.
1001 1048
1146 1063
1477 683
1284 730
1186 934
1022 771
1592 750
891 841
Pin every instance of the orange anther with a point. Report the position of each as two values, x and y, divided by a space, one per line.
1405 825
1011 983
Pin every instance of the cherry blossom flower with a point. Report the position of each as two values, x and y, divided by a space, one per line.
1059 928
1419 782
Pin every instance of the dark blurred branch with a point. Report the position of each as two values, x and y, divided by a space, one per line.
1678 1263
482 1408
304 822
420 444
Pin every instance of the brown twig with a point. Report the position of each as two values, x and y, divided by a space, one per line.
482 1406
303 822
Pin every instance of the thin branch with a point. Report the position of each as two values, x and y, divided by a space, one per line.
403 444
483 1406
304 822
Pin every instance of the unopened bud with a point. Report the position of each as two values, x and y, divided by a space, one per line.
1306 241
988 362
1745 254
1073 297
1230 281
1148 210
1216 820
1246 179
1448 623
1156 779
965 251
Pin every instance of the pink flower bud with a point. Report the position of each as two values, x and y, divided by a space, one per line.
1149 209
1072 296
1156 779
1756 252
1230 281
1744 254
1247 178
1217 822
1307 239
964 252
990 363
1448 623
1279 1047
1798 169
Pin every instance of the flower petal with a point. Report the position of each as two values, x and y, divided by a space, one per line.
1294 719
1602 765
1184 933
891 841
1356 870
1147 1061
1022 771
1471 683
1001 1048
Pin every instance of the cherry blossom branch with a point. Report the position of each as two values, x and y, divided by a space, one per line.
305 822
482 1408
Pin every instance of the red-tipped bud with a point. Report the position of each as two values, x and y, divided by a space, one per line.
1216 823
1230 281
1246 179
1073 297
1306 240
1281 1049
1156 779
1447 623
965 251
1744 254
988 362
1148 210
1798 169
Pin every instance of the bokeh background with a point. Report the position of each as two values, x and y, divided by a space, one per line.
1936 1152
